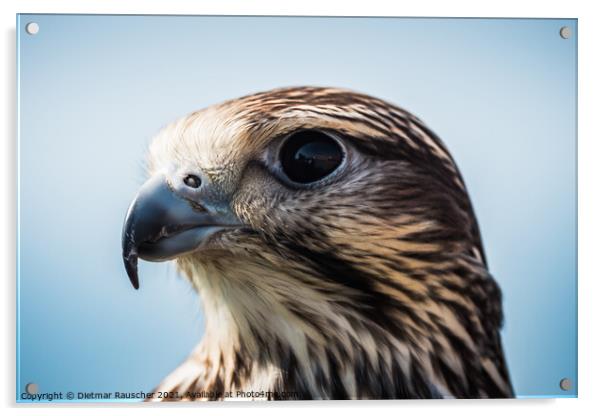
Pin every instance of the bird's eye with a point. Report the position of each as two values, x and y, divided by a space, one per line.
192 181
310 155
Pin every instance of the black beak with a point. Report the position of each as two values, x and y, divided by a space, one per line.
161 225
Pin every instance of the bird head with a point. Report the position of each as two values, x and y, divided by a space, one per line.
304 215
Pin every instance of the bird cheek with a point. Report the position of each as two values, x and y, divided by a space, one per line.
251 208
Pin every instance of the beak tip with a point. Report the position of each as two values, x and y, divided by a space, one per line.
131 266
134 279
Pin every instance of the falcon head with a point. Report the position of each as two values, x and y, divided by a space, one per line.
333 243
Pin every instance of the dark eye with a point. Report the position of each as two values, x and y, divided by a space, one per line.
310 155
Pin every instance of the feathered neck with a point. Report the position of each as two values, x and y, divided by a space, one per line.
267 332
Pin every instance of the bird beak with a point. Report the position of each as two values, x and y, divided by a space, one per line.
161 225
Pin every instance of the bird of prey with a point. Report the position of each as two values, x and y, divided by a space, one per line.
331 239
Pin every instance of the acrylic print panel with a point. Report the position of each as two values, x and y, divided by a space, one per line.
388 212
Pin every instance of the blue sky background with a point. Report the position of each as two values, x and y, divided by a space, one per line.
93 90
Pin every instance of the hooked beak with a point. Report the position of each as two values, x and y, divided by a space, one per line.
161 225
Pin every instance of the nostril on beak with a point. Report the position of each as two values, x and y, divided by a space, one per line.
192 181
